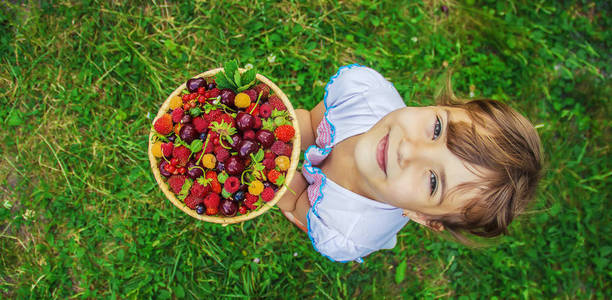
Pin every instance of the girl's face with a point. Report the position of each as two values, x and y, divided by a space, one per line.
404 160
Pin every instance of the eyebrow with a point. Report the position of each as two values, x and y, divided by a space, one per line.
442 173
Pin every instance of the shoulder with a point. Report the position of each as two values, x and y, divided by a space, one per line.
352 80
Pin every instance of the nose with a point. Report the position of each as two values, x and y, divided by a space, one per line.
411 150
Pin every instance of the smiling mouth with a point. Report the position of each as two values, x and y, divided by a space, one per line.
381 153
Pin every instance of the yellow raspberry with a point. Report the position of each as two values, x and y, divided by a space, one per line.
282 162
256 187
156 150
176 102
242 100
209 161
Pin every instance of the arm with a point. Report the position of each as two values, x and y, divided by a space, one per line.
308 122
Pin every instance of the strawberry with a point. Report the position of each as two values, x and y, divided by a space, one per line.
167 149
212 200
212 211
276 103
163 125
176 183
177 115
200 124
199 190
182 153
225 118
284 133
273 175
267 194
216 187
191 201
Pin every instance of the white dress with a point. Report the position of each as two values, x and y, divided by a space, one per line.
342 225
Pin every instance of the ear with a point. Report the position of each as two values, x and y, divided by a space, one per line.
423 220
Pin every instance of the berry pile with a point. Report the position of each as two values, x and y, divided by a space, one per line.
224 150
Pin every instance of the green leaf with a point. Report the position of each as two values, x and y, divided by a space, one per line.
185 189
237 81
230 69
179 292
196 146
203 181
259 156
280 180
223 82
15 119
400 272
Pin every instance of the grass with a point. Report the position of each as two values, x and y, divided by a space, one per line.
82 217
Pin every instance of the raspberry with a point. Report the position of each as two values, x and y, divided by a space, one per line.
262 89
163 125
282 162
242 100
253 109
176 183
251 198
287 151
269 163
252 94
232 184
209 161
182 153
156 149
278 148
222 154
250 203
284 132
256 187
212 200
267 194
265 110
212 115
167 149
191 201
276 103
199 190
200 124
176 102
270 155
273 175
222 177
177 115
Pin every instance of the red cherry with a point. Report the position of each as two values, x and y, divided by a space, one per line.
201 90
174 161
182 170
185 97
201 99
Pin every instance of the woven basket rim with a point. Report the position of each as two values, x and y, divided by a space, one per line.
266 206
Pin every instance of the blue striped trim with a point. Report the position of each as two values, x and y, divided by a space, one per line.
314 170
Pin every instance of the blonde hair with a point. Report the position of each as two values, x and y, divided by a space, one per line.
509 149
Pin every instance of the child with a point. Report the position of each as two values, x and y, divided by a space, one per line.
460 167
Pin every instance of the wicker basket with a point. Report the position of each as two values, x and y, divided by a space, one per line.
266 206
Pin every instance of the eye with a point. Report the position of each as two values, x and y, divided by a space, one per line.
433 182
437 128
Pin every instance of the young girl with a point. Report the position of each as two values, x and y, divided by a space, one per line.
372 164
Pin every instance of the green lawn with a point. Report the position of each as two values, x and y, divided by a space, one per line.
81 215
